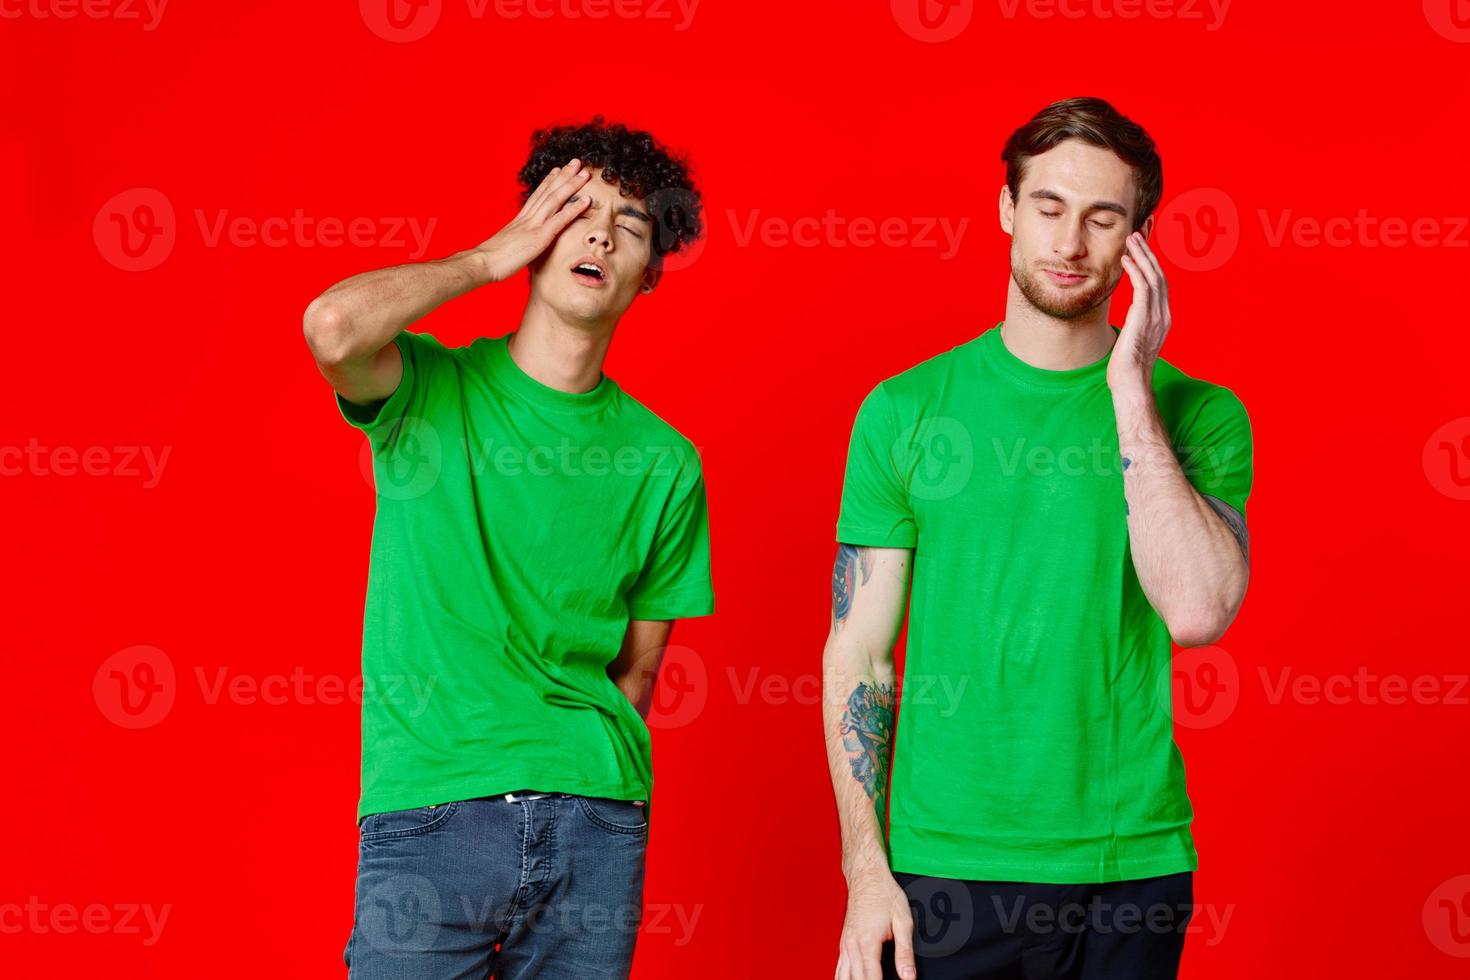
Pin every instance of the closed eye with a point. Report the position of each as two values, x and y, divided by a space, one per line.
1104 225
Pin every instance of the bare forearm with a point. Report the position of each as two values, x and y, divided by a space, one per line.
362 314
858 715
1189 563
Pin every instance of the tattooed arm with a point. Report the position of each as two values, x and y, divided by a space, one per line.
869 597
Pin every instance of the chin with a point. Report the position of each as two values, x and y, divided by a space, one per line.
1062 305
593 309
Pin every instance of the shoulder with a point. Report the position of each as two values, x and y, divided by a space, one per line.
1184 400
928 373
903 396
656 435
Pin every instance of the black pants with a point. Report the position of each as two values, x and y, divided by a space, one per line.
979 930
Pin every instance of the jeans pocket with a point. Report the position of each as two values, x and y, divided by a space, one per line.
406 823
618 816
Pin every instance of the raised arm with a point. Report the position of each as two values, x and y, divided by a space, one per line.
1191 551
869 598
350 327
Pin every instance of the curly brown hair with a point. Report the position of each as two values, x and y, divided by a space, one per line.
631 159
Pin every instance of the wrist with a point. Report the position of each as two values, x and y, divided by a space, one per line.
1134 384
871 861
479 265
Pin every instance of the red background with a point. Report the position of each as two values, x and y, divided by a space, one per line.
1327 831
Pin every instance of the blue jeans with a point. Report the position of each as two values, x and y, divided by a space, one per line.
544 886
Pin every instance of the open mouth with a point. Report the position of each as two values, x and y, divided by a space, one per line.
590 273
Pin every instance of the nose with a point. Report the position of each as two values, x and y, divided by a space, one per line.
599 234
1071 243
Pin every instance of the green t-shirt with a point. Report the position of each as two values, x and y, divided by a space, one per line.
519 528
1034 741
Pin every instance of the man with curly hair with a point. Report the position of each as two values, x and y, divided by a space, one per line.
538 531
1064 502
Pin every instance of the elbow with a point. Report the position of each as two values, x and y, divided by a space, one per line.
1199 627
1204 619
328 332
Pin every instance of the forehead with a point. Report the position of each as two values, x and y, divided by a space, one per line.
603 193
1073 168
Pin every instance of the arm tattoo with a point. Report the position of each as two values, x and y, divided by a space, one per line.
851 561
1235 522
867 731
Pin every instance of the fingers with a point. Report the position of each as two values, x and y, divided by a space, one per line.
1138 280
1142 262
550 185
561 184
1149 257
568 212
1148 265
903 946
859 960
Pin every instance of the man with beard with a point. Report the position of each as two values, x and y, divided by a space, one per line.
538 531
1068 503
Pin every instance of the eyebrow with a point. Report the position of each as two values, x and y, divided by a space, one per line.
1044 194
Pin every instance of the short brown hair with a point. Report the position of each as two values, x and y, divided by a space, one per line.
1093 121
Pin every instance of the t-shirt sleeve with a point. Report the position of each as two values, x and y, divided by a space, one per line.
875 507
1216 450
675 581
417 351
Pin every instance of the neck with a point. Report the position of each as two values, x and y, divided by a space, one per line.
1052 343
560 354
